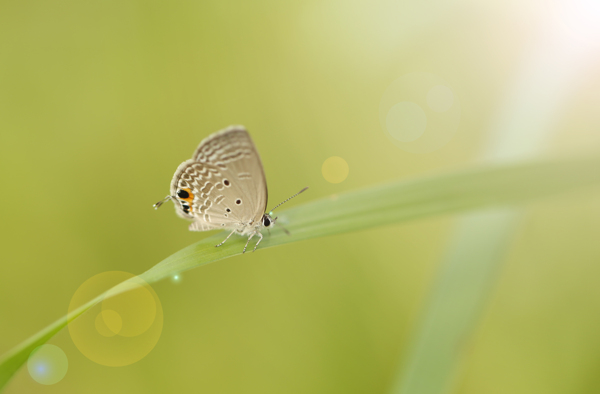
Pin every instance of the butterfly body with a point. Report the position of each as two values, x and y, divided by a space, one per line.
223 186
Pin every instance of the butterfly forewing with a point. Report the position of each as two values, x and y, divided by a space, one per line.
223 184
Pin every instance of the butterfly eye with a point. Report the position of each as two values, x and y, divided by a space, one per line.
266 221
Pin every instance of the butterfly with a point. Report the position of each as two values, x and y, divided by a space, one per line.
223 186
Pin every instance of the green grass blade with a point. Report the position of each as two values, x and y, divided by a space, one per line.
467 276
375 206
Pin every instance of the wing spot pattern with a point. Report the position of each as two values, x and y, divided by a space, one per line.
207 188
218 156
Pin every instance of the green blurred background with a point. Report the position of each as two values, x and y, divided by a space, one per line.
100 101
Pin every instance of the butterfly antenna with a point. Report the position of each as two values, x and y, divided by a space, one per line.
283 228
283 202
161 202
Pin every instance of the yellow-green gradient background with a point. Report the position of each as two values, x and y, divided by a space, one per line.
101 100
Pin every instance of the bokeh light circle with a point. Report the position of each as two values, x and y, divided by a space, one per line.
124 327
440 98
108 323
419 112
406 121
335 169
47 364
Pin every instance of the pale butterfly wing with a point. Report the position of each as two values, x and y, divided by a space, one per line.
224 180
197 180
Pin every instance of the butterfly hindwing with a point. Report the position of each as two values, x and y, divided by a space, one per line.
223 184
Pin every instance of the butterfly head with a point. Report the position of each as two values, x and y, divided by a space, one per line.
267 220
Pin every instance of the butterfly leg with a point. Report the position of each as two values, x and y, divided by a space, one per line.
248 241
225 240
261 237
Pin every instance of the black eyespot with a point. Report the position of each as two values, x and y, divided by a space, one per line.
238 201
266 222
225 182
183 194
228 210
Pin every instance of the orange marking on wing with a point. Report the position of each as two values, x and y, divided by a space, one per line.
190 198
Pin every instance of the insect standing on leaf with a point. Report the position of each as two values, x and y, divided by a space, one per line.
223 186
